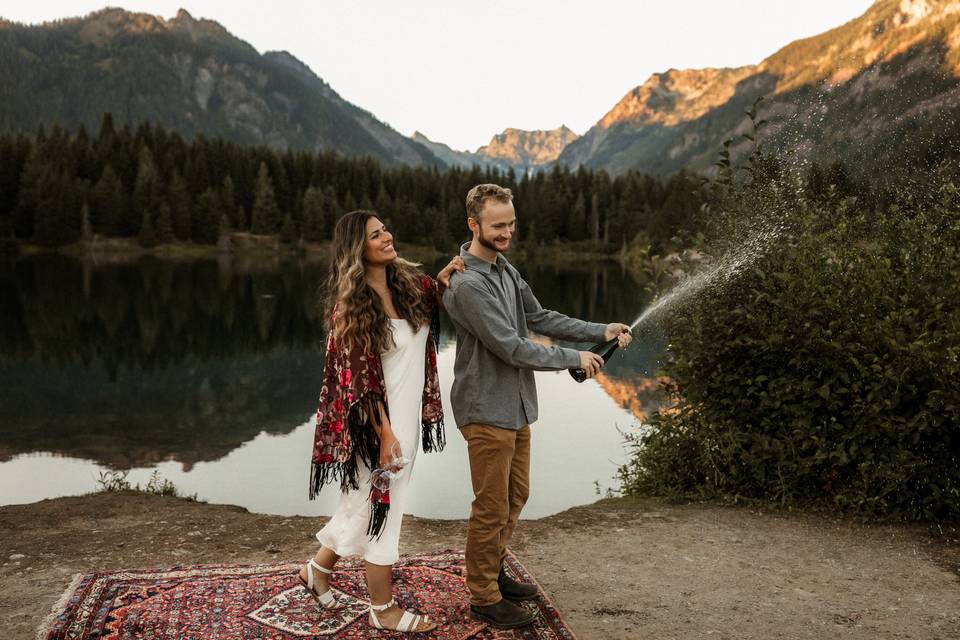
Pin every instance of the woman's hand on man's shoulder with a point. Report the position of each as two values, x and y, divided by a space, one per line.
455 264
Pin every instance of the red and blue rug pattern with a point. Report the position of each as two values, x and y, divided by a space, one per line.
266 602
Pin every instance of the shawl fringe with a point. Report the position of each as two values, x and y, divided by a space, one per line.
379 509
435 329
363 419
432 436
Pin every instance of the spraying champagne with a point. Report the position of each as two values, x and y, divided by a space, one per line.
604 350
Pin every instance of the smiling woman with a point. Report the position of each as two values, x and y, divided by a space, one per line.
380 397
370 284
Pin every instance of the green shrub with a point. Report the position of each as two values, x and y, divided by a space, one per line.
827 371
157 485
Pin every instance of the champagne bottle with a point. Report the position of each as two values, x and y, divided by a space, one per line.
604 350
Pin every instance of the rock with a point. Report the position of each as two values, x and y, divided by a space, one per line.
17 556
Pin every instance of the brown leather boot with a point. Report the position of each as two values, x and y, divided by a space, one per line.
513 590
502 615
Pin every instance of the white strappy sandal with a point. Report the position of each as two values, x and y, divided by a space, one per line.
326 600
408 621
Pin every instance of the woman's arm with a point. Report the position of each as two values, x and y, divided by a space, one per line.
385 433
443 278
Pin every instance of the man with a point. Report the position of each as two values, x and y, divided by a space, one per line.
494 396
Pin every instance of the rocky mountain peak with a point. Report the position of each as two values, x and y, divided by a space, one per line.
676 95
872 75
528 148
192 76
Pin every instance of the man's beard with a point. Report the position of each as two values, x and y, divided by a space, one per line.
484 242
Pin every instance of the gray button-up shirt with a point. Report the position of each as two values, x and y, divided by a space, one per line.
492 308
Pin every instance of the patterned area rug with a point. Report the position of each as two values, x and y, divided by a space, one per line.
265 602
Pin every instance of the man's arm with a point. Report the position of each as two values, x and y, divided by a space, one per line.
553 323
475 308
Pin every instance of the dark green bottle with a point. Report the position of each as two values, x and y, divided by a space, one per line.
604 350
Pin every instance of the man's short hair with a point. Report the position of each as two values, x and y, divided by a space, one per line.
478 196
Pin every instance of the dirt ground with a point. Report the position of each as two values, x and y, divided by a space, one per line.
617 569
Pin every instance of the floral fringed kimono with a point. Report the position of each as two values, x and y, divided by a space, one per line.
350 399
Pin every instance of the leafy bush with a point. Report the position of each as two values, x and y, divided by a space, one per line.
157 485
826 372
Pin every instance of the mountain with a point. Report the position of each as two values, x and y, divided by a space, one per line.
189 75
452 157
513 149
881 88
528 148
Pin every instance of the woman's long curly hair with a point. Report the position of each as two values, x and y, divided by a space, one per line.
360 318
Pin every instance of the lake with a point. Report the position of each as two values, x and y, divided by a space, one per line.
207 371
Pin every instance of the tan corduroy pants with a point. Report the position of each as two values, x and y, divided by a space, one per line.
500 473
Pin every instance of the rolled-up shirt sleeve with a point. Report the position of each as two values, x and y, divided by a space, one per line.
472 305
553 323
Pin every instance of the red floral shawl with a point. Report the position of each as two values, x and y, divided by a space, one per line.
350 397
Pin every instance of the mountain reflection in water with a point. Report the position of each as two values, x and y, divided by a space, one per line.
134 364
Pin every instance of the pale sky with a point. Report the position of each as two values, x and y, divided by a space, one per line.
462 71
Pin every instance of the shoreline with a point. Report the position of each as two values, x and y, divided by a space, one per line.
249 246
617 569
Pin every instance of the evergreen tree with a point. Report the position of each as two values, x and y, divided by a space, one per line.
58 211
147 237
266 213
165 233
145 201
179 202
288 232
333 209
86 227
224 234
12 158
206 218
349 203
314 215
228 200
108 204
577 229
33 183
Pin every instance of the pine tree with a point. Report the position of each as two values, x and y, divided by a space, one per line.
109 203
58 211
314 215
146 189
266 213
165 233
147 237
206 218
334 210
181 207
577 229
288 232
86 227
228 200
224 234
33 182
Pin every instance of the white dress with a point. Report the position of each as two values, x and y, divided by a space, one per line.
403 374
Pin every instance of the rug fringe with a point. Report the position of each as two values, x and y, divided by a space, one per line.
46 625
511 555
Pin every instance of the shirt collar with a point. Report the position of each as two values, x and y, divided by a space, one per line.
479 264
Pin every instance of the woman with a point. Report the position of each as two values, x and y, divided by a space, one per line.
380 395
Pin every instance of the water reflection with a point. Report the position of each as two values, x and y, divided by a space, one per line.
160 362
